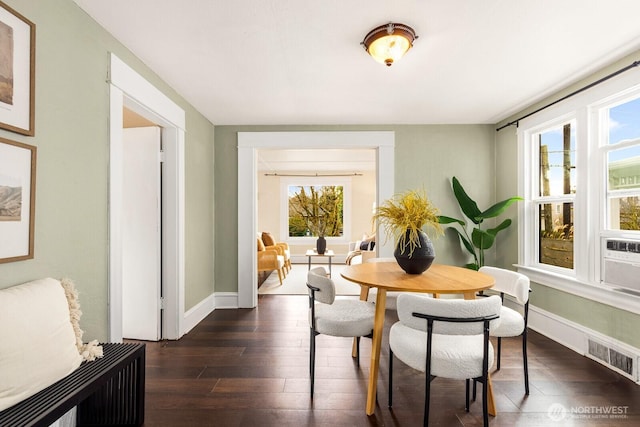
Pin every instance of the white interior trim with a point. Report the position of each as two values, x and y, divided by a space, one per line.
249 142
128 88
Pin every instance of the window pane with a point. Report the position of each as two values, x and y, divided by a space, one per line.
624 213
556 234
557 161
624 169
624 122
316 210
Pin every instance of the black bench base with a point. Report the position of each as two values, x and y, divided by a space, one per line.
107 391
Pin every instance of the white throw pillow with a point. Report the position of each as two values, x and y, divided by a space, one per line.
37 340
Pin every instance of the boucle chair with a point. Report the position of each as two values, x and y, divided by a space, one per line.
445 338
512 323
339 318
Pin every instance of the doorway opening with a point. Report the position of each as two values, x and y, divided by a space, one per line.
248 145
128 89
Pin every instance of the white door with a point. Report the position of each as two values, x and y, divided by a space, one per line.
141 230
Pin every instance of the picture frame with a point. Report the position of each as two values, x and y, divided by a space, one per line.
17 72
17 200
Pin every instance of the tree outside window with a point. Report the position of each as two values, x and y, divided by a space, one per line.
316 210
556 194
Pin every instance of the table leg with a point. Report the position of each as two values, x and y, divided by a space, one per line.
330 266
378 326
491 404
309 258
364 294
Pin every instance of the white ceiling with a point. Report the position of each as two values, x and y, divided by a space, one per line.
258 62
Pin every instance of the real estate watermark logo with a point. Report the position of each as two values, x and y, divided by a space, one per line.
558 412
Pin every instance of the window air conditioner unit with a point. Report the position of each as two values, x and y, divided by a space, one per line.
621 265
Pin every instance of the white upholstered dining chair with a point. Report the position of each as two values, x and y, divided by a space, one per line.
341 318
445 338
512 322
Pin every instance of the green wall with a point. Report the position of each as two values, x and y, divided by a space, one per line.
72 104
71 234
426 156
616 323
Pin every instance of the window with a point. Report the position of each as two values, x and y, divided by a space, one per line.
314 206
316 210
622 150
555 194
580 166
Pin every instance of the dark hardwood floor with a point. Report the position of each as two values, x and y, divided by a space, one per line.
250 368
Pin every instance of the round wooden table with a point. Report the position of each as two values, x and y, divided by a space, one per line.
388 276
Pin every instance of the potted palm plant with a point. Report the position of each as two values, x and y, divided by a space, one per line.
480 239
404 217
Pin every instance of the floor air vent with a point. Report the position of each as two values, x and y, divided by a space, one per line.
614 358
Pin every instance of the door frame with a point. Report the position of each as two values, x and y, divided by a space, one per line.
129 89
248 144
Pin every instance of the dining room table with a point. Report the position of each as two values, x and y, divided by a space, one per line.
439 279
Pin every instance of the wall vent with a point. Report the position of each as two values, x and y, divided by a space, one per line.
621 361
599 351
616 359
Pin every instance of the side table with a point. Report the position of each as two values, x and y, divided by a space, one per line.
312 252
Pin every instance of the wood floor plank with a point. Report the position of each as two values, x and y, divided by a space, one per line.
250 367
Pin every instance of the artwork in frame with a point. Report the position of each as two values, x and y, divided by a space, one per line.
17 72
17 200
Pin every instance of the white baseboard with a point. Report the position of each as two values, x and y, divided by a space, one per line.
198 312
575 336
226 300
205 307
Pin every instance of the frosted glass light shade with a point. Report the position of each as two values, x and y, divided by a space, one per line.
388 43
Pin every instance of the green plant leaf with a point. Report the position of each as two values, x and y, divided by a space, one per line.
468 206
472 266
482 239
448 220
499 207
504 224
467 244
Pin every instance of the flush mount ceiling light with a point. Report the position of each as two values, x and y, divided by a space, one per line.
388 43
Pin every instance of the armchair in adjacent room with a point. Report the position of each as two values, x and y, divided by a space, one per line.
361 250
283 248
270 259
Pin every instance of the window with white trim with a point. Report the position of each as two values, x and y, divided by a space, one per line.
315 206
580 164
622 162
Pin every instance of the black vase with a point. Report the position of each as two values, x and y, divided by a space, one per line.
321 245
421 258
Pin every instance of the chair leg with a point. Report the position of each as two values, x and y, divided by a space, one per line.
466 394
358 351
474 390
525 362
312 359
499 352
280 276
390 377
427 398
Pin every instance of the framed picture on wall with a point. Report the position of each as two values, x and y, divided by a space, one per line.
17 200
17 72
